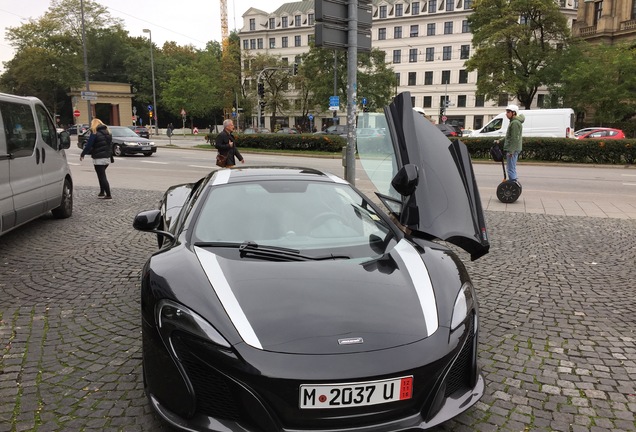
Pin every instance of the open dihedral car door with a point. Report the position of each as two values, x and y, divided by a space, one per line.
445 203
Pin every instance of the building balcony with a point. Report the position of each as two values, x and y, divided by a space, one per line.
587 31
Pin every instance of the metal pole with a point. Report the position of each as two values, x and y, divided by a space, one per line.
335 84
154 93
352 89
88 102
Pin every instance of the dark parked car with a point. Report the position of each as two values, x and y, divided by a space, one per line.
73 129
334 130
287 130
449 130
283 299
256 131
142 131
125 142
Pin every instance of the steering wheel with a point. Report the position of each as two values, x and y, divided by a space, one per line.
323 217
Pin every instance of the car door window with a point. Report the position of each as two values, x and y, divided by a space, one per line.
49 133
19 129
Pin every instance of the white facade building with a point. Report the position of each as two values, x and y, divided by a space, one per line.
426 43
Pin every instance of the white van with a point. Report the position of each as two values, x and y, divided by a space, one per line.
556 123
34 175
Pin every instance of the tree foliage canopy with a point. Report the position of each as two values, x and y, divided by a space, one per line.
518 46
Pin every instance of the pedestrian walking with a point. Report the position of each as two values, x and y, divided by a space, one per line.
100 147
513 142
226 145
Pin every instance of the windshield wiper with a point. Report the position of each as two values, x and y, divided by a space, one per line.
273 253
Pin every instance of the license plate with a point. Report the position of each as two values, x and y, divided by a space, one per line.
146 148
349 395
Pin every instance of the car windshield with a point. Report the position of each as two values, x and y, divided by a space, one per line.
120 131
305 216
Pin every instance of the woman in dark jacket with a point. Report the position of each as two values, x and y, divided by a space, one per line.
100 147
226 145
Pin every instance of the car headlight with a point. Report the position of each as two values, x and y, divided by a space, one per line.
173 316
464 303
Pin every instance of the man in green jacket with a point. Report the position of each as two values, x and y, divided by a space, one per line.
512 144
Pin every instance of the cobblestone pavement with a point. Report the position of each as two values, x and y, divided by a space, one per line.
557 341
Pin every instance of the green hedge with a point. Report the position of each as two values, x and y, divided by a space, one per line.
564 150
293 142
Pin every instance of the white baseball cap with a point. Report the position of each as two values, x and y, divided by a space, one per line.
512 107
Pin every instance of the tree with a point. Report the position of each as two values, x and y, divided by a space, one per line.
601 79
518 44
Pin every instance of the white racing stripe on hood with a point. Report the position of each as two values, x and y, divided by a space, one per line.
222 288
422 283
221 177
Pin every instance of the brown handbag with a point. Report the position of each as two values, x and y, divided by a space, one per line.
221 160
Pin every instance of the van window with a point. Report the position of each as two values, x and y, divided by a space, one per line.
49 133
493 126
19 129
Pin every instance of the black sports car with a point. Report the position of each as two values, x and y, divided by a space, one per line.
282 299
125 142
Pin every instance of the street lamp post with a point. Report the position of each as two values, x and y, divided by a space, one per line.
154 93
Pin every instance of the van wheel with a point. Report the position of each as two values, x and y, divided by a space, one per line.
117 150
65 210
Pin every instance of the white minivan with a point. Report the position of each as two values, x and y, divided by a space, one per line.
34 175
556 123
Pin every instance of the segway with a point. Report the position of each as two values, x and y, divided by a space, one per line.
508 191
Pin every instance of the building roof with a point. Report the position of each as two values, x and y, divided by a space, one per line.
292 7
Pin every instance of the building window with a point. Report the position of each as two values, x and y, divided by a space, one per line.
430 29
246 65
450 5
252 24
412 78
284 42
444 100
428 78
397 32
415 29
465 27
463 76
634 9
430 54
432 6
382 11
502 100
311 18
397 54
246 44
461 101
464 52
415 8
285 60
381 33
412 101
311 38
540 100
413 55
448 27
479 100
446 77
447 52
297 40
468 4
272 23
252 43
399 10
284 21
598 11
397 79
272 42
428 102
297 20
259 41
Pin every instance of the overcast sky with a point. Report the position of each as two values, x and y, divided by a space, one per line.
183 21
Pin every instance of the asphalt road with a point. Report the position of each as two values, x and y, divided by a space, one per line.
556 293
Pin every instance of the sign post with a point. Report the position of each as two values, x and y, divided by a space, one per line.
183 117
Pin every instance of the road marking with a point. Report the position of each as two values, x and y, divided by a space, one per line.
629 184
159 163
201 166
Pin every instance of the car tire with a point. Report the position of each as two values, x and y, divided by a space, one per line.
117 151
147 153
65 210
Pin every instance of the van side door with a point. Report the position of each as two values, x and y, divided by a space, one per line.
7 215
25 160
53 159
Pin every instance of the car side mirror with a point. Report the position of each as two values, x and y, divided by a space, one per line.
406 179
149 221
65 140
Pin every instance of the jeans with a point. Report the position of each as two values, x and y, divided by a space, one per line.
511 165
104 187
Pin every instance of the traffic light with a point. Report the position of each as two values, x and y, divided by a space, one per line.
295 69
441 111
262 105
261 90
150 114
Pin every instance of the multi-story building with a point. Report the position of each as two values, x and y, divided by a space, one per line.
606 21
426 43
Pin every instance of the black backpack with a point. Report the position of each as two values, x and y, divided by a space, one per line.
496 153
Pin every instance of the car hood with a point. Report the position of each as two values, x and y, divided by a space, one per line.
325 307
132 140
446 204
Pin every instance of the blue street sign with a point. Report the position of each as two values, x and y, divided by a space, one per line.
364 101
334 101
233 113
311 117
149 107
